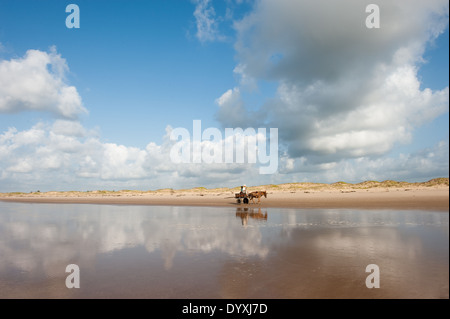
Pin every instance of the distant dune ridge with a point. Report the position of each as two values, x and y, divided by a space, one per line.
430 195
436 182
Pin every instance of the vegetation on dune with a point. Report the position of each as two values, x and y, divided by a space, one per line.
102 192
165 190
390 183
340 184
436 182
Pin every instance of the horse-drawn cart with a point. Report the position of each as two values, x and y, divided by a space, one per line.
241 197
246 198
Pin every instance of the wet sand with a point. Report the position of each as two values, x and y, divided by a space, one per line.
403 196
165 252
144 244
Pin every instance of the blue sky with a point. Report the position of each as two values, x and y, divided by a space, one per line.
142 58
138 69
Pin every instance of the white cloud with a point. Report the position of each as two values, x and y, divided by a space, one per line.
206 22
318 40
344 91
68 128
65 155
37 82
246 80
22 166
232 112
314 122
47 159
418 166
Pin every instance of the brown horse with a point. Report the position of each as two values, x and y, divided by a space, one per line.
258 195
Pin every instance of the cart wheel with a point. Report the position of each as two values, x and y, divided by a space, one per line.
238 201
245 200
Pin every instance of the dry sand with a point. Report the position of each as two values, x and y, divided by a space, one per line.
431 195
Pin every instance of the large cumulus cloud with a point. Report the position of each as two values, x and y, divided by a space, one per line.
344 91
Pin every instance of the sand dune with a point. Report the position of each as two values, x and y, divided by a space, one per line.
431 195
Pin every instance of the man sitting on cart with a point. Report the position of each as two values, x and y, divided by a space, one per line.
244 189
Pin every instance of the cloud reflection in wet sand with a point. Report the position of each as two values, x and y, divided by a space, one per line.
198 252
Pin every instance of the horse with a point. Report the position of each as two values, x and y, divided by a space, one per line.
258 195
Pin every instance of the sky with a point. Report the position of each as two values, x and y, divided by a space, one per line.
96 107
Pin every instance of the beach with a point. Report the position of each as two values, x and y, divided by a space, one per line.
201 243
431 195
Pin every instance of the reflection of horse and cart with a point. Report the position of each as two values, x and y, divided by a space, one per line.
242 196
245 213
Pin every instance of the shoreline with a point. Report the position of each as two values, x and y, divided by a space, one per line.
429 199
